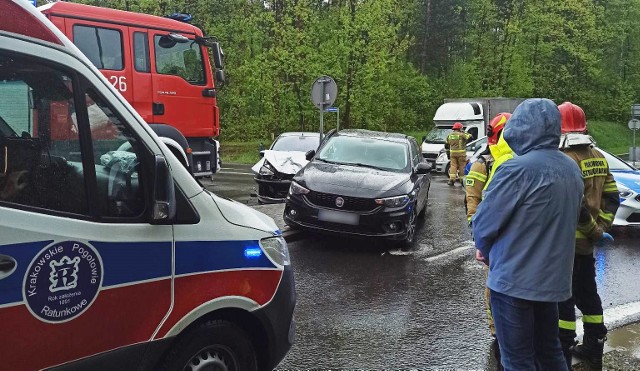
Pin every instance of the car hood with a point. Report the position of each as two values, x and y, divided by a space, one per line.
354 181
630 178
285 162
240 214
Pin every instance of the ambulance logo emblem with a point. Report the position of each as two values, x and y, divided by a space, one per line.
62 281
64 274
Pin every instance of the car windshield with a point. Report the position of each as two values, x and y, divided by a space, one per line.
301 143
438 135
369 152
614 162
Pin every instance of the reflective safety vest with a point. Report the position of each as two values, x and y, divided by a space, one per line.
457 143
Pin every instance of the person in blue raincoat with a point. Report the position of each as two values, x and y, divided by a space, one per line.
525 229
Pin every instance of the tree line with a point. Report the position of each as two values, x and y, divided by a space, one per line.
396 60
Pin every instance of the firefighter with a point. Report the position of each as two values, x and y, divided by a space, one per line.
456 150
497 152
599 205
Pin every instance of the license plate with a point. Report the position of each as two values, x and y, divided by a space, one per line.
338 217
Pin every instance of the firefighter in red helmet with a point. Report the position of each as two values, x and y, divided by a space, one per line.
599 205
455 145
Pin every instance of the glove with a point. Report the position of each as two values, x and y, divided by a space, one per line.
605 239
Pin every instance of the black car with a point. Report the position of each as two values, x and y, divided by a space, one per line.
361 183
278 165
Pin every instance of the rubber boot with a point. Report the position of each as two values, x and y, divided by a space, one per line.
450 182
590 351
568 342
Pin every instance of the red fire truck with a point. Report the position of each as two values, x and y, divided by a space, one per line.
161 67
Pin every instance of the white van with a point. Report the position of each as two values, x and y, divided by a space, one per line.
112 256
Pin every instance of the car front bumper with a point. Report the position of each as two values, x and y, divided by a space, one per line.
378 222
628 213
272 190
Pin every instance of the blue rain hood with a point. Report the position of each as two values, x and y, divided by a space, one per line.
535 124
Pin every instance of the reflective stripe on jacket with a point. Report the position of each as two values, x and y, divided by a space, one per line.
474 184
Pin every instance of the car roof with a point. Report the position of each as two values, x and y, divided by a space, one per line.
395 137
300 134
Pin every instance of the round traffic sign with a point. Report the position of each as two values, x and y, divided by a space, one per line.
324 92
634 124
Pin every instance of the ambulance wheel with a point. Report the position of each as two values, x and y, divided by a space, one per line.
214 345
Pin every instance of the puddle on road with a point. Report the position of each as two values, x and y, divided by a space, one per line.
626 339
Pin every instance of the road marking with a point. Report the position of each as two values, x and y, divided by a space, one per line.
451 252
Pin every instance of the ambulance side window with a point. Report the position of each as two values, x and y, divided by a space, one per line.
40 164
117 163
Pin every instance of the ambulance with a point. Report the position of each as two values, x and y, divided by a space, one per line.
112 256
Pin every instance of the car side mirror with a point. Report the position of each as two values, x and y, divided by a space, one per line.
309 154
423 168
164 194
262 153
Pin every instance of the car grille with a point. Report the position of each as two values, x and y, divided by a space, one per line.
634 218
430 156
350 203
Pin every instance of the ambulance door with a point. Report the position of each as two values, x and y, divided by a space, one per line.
82 271
108 47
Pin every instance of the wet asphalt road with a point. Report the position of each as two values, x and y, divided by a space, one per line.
364 304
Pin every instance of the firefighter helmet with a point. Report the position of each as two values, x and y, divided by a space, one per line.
457 126
573 118
495 127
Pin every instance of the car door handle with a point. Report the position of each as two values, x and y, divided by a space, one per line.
7 266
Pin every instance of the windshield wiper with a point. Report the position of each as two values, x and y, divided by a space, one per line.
323 160
366 165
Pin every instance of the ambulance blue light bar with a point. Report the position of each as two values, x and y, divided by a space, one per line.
252 252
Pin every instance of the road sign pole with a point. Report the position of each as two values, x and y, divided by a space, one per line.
337 119
322 112
634 148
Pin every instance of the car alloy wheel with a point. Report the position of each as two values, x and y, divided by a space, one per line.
411 227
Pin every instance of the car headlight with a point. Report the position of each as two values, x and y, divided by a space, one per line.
276 249
266 169
297 189
442 157
624 191
397 201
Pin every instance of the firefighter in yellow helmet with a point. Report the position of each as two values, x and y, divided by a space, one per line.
599 205
476 181
455 145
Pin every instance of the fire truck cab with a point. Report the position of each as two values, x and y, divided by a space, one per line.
160 66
